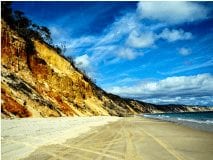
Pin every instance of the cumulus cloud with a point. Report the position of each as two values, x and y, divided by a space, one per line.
82 61
169 89
184 51
172 12
141 40
174 35
128 37
127 31
148 39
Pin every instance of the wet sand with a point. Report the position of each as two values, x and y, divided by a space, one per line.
132 138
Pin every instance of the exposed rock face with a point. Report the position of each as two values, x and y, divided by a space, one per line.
43 84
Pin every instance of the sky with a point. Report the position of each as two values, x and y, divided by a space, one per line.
157 52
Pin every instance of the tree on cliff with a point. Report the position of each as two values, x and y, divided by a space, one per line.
7 12
29 31
21 21
24 26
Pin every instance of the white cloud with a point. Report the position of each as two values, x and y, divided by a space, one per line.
119 28
174 35
182 69
141 40
84 64
127 53
202 100
169 89
184 51
123 39
172 12
82 61
127 31
80 42
148 39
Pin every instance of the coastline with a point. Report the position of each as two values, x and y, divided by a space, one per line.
188 121
135 138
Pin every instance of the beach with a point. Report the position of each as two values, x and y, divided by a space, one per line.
134 138
20 137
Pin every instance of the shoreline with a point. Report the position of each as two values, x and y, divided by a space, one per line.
184 124
113 138
133 138
206 125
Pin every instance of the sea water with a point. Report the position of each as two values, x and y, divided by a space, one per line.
198 120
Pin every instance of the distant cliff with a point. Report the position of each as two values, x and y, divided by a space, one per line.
42 83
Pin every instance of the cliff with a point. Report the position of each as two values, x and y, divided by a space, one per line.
42 83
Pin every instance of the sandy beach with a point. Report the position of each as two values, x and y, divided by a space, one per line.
20 137
132 138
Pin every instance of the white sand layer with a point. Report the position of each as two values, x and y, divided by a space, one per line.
20 137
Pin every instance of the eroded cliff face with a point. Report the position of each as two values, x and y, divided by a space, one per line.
41 83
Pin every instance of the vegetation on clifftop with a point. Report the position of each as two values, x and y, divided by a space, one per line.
29 31
26 28
38 81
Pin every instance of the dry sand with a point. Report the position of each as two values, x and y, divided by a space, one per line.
20 137
132 138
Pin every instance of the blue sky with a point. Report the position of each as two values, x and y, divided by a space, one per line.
158 52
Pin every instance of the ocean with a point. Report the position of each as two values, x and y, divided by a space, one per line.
197 120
